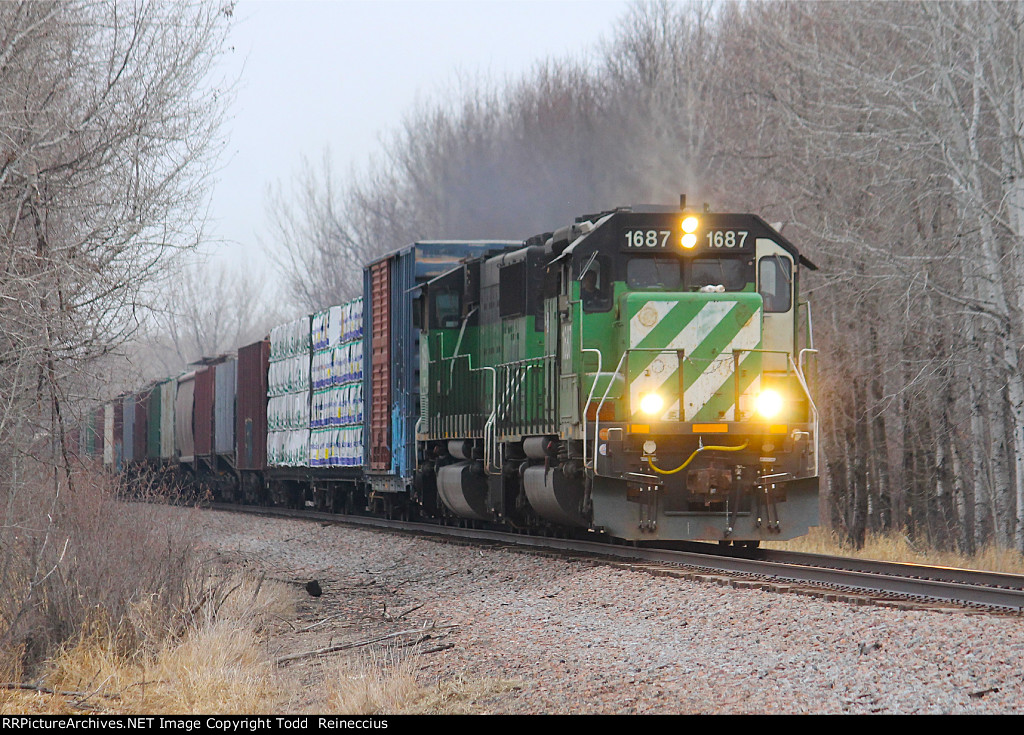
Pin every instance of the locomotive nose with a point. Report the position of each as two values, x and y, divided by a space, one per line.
692 356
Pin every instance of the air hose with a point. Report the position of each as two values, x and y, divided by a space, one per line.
697 451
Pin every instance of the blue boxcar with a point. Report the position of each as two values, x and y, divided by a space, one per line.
391 354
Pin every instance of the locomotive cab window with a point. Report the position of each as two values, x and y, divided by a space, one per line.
775 283
595 285
654 274
446 309
732 273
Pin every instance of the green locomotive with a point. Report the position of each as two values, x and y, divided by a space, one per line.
640 373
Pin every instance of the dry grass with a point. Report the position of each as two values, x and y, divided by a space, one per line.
385 681
216 664
110 608
71 554
216 668
896 546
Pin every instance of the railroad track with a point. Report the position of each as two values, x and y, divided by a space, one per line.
856 581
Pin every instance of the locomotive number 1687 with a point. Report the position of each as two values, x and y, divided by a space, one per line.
726 238
647 238
716 239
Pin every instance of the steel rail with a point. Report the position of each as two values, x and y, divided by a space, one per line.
959 586
952 575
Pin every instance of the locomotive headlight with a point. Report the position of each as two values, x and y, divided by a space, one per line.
690 225
689 241
768 404
651 403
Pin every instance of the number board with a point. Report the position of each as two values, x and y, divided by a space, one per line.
714 239
725 239
649 238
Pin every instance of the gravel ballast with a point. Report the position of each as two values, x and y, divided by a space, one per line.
585 637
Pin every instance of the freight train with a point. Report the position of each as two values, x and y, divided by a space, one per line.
641 374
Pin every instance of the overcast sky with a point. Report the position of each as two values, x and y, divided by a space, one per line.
341 73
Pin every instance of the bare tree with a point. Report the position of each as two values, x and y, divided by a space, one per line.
204 310
109 124
662 74
904 163
106 143
311 239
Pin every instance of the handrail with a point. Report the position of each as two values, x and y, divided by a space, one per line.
458 342
800 357
490 419
510 387
597 414
526 361
494 390
593 385
518 373
810 323
597 420
810 401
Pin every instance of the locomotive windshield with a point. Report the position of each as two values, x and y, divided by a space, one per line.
732 273
662 274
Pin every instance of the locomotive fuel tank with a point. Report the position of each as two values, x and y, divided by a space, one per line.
555 496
